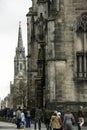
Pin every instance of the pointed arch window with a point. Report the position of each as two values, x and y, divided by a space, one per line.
81 53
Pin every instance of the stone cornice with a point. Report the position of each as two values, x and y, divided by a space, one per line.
56 59
31 12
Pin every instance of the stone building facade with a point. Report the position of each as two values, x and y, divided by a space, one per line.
19 87
57 52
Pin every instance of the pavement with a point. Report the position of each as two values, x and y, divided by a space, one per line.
11 126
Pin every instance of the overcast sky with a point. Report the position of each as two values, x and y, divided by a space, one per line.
11 12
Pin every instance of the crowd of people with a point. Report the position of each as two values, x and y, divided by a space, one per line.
21 117
6 113
56 121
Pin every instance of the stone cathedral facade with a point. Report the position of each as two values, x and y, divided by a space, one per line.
19 86
57 52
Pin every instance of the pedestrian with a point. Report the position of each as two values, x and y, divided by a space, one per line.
28 118
59 110
47 119
14 115
22 123
80 118
55 121
38 117
18 117
68 120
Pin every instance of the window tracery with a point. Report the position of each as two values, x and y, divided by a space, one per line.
81 55
82 23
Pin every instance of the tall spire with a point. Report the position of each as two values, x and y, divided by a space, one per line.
20 42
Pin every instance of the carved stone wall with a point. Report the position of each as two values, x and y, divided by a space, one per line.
61 43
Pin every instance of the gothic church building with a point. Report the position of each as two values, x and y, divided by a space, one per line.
57 50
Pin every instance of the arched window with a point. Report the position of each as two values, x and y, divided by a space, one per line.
81 52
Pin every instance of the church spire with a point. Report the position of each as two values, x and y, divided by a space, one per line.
20 42
19 59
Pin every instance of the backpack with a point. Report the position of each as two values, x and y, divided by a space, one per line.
28 113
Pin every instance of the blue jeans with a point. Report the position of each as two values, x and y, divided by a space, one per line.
28 122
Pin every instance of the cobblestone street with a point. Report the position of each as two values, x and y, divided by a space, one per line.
10 126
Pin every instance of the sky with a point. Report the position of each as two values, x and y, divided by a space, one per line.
11 12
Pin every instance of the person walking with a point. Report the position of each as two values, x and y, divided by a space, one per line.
18 117
80 118
38 117
55 121
68 120
47 116
28 118
22 123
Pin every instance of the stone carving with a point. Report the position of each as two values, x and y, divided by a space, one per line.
42 26
82 23
51 4
32 29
